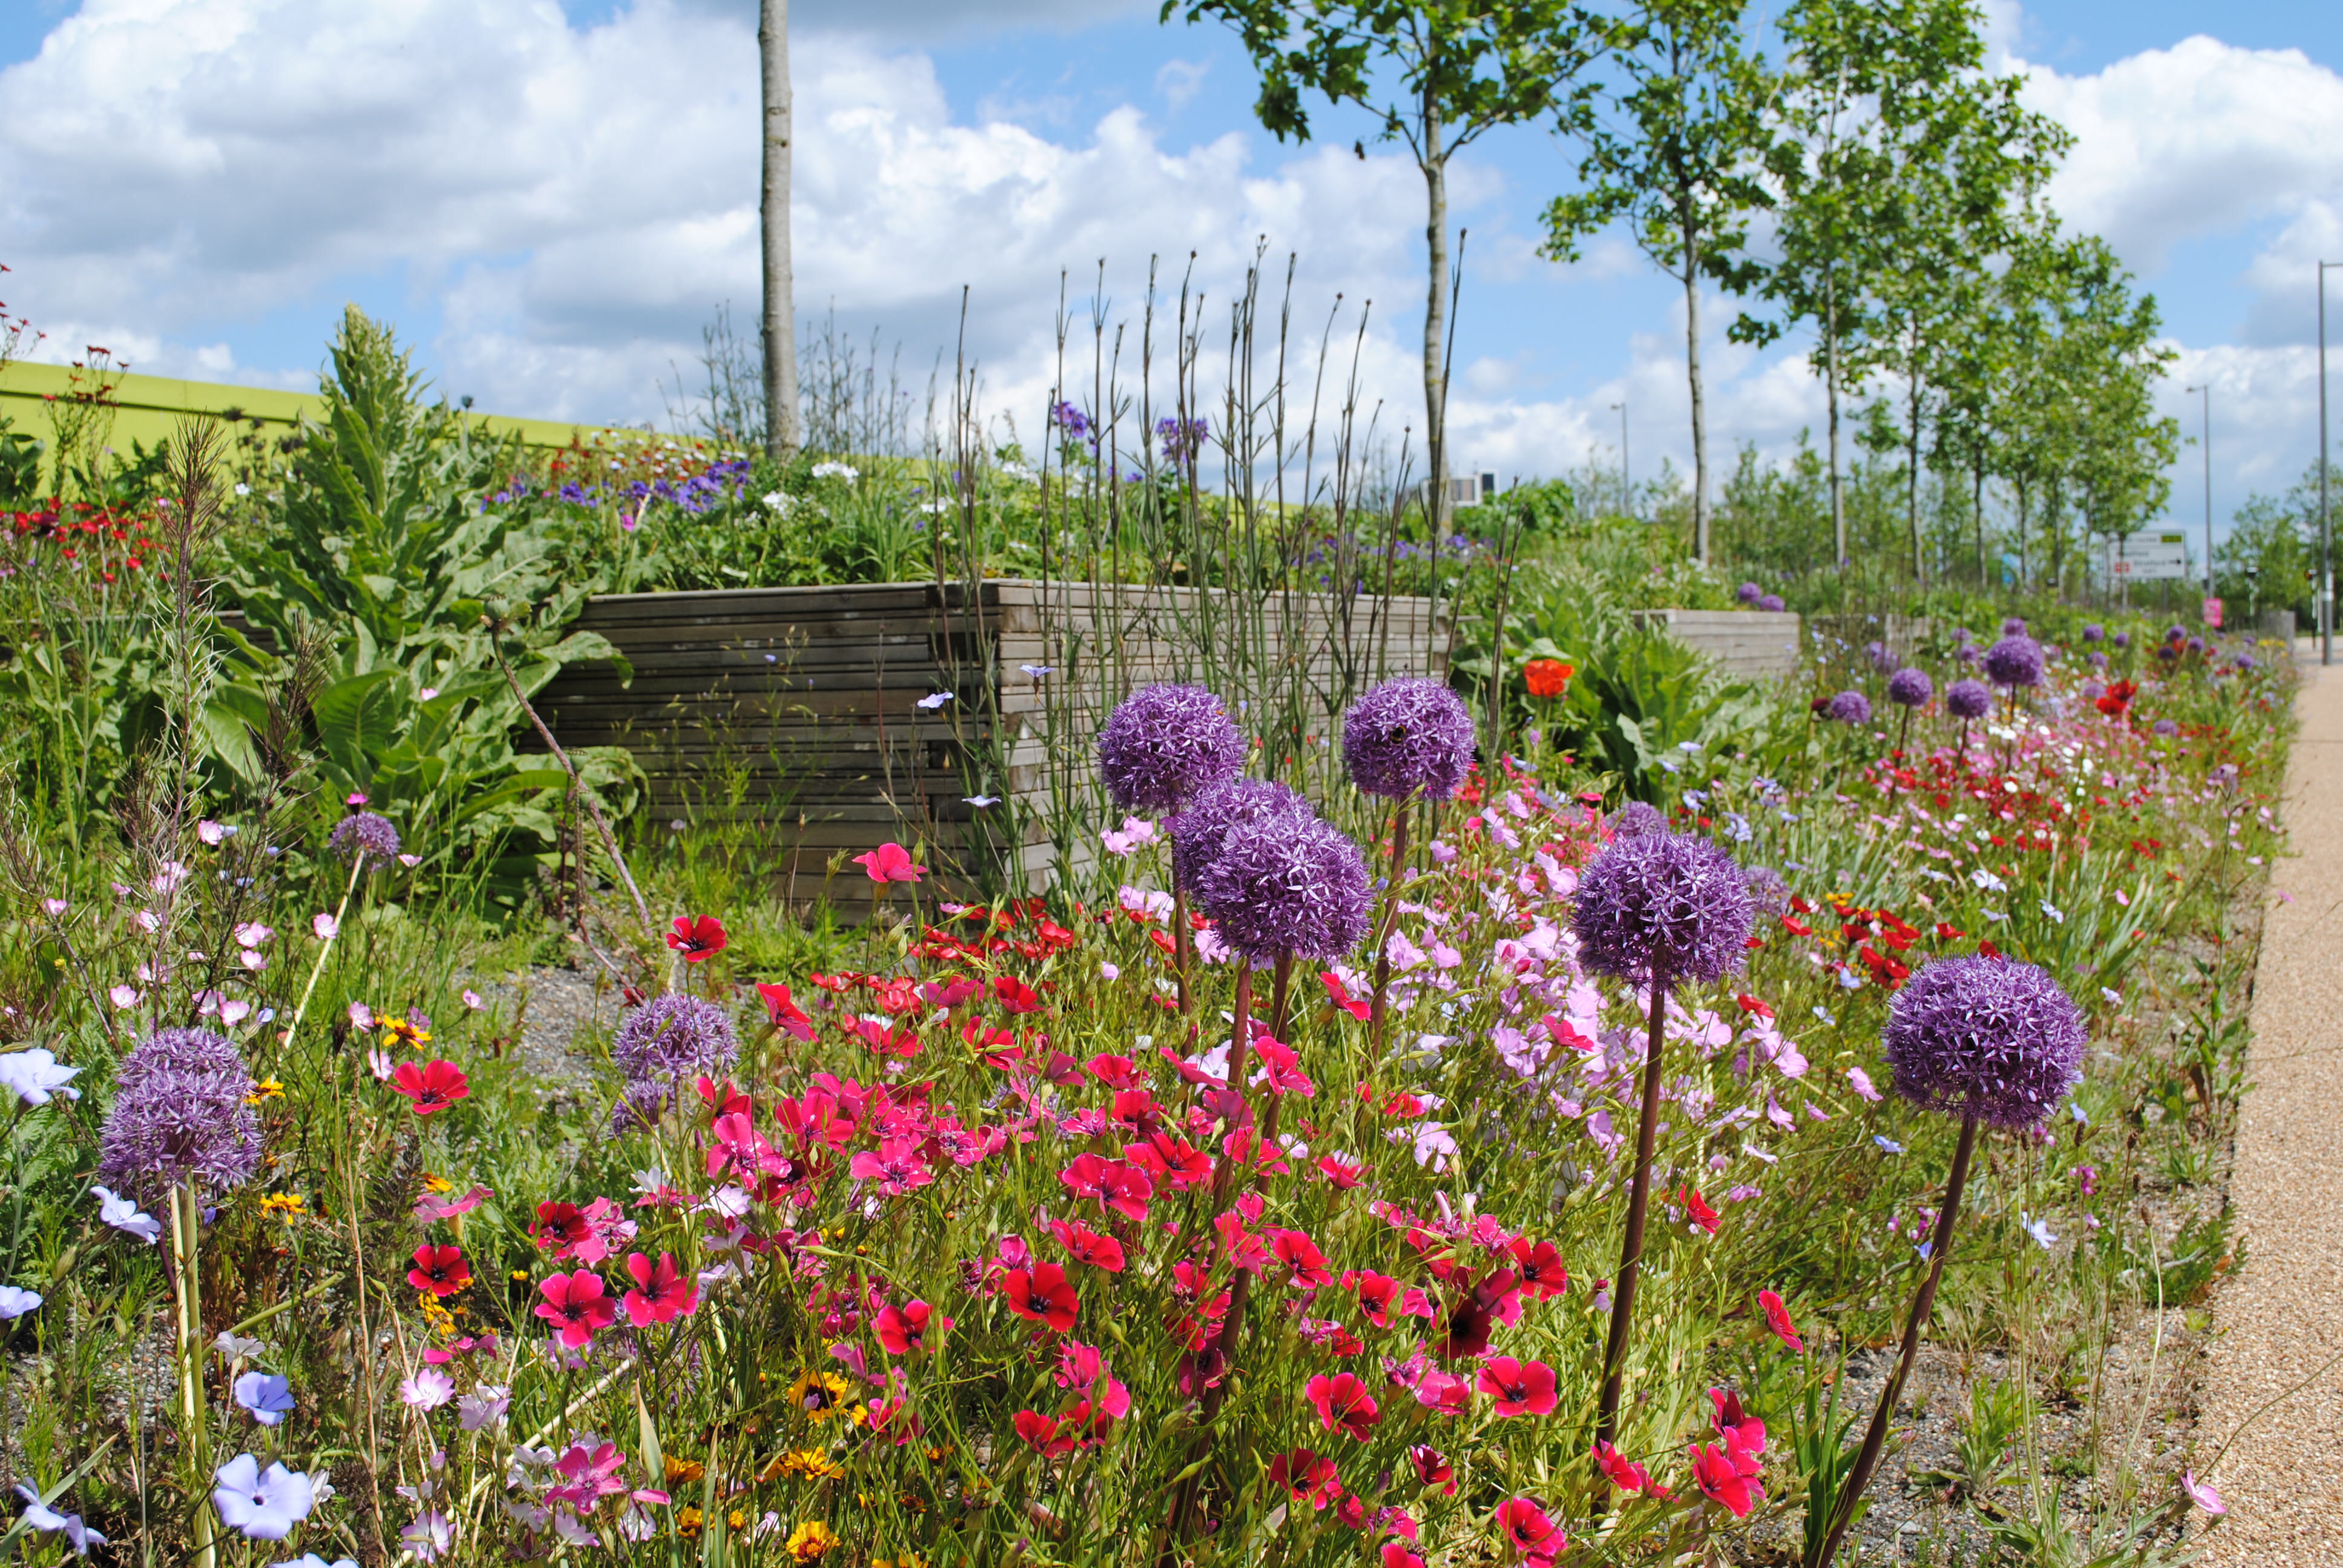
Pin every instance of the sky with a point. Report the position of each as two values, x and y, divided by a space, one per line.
550 199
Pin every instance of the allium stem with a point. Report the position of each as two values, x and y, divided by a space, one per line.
1383 927
1866 1462
358 865
1180 947
1630 1247
186 1281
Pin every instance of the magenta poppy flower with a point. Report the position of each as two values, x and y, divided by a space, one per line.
889 863
1088 1246
440 1270
1377 1294
431 1086
1300 1254
1307 1477
697 936
895 1165
1124 1188
1519 1388
1777 1318
1433 1468
1528 1531
1540 1267
784 1013
1720 1479
1048 1438
1041 1294
661 1293
1343 1404
574 1305
1625 1474
904 1329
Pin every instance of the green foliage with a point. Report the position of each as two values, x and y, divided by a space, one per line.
381 544
20 467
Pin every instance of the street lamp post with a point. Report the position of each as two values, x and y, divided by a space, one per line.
2326 601
1626 462
2207 441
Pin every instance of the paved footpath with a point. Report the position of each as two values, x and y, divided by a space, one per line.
2282 1317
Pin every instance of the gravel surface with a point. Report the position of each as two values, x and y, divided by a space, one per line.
2281 1319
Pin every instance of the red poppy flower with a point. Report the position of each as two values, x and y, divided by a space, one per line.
1519 1388
662 1293
1043 1433
1432 1469
559 1227
440 1270
1721 1481
574 1305
1529 1532
1541 1268
1088 1246
1777 1318
431 1086
1343 1404
1625 1474
1400 1554
1300 1254
1041 1294
1307 1477
904 1329
1377 1294
1697 1211
1340 995
697 936
1014 995
1125 1189
1547 677
785 1013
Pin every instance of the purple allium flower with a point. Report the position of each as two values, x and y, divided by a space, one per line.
1963 637
2015 660
1409 737
1769 895
1637 817
1198 832
1281 887
1968 700
669 1036
2175 634
364 835
2123 639
2094 632
179 1115
2093 690
1771 604
1991 1038
1968 653
2166 728
1164 745
1851 708
1881 660
639 1106
1663 907
1748 593
1910 687
2098 660
2015 626
2195 645
2245 661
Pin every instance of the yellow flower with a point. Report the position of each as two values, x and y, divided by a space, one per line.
286 1206
908 1560
397 1031
267 1089
738 1519
809 1541
437 1183
822 1395
809 1462
679 1470
687 1522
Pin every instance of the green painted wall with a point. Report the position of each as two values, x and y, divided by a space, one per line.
149 405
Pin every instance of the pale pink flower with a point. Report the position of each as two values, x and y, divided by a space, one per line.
361 1016
124 996
426 1390
327 927
209 831
252 934
2202 1493
472 1001
55 908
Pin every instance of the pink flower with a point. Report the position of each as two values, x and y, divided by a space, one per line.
1088 1246
1519 1388
1721 1481
1777 1318
1433 1468
432 1086
895 1165
1860 1081
124 996
325 925
661 1295
889 863
785 1013
1043 1435
2202 1493
904 1329
1281 1069
697 936
1300 1254
431 1206
361 1017
426 1390
1125 1189
1526 1529
575 1304
1625 1474
1306 1477
1041 1294
1343 1405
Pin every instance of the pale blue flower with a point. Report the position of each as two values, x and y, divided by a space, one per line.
268 1397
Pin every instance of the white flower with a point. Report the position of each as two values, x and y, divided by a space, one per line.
311 1560
934 701
2053 911
833 469
125 1215
979 801
36 1076
2038 1229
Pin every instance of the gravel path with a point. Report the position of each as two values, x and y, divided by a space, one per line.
2281 1319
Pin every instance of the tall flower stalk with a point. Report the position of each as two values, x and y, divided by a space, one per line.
1406 741
1656 910
1161 748
1997 1044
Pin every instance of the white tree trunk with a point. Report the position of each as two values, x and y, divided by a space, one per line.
780 322
1435 313
1699 402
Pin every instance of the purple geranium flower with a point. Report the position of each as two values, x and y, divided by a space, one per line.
1983 1037
1409 737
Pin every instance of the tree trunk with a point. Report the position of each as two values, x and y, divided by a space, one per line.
1912 476
779 323
1830 381
1691 232
1976 511
2021 533
1435 312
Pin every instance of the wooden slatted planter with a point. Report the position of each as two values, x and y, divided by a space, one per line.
797 707
1754 644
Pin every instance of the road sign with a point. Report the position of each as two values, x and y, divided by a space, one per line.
2152 555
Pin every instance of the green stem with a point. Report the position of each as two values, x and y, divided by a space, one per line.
357 869
1630 1246
186 1279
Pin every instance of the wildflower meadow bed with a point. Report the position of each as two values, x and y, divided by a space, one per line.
1462 1166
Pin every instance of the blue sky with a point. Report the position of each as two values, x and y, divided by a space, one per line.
550 202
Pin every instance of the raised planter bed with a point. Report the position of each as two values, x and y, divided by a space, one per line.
799 708
1754 644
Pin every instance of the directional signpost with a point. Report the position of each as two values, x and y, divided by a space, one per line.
2152 555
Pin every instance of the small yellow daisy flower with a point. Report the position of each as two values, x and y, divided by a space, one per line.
809 1540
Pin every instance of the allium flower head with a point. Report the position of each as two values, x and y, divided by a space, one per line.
1883 657
1769 894
1991 1037
1663 907
2099 660
1968 700
2015 660
179 1114
670 1037
364 835
1748 593
2123 639
1771 604
1637 817
1910 687
1164 745
1410 736
2014 626
1851 708
1198 832
2094 632
1283 886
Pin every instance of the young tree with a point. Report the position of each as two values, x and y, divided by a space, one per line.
1680 157
1436 74
781 338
